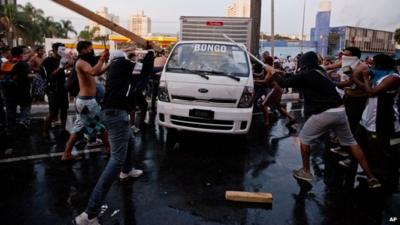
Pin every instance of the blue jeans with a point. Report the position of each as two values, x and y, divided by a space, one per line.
122 144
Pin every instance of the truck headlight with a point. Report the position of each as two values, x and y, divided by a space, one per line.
163 92
246 101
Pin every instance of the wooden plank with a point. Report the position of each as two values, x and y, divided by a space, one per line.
103 21
241 196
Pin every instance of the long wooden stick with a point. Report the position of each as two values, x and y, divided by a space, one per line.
103 21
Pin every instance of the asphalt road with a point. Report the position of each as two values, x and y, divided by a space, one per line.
185 183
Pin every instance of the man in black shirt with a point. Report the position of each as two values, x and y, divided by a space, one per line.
116 107
324 111
17 91
142 82
54 67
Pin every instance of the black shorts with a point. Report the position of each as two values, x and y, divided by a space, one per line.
58 102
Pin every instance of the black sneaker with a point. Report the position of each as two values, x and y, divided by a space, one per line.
374 183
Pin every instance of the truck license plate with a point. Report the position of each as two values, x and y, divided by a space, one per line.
201 113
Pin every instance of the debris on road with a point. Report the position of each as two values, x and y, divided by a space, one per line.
255 197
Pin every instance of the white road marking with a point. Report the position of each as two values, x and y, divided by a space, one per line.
45 156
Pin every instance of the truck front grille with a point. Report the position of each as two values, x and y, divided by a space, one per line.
202 123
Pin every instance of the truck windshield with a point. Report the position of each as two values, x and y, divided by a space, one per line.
217 59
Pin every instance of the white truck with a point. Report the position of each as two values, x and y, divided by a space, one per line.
207 82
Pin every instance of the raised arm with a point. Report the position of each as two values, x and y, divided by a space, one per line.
97 70
292 81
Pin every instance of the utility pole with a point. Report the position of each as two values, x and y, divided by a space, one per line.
255 15
302 27
272 28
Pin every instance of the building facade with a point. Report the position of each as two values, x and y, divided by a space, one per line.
238 8
331 40
320 33
140 24
368 40
103 31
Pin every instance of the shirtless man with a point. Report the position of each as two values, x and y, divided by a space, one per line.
274 96
87 67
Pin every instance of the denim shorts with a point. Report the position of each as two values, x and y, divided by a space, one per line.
319 124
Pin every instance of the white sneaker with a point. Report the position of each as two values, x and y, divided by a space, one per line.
134 173
340 151
345 162
83 219
135 129
96 143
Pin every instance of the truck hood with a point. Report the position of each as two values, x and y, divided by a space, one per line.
217 91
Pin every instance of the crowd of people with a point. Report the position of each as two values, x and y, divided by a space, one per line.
30 76
351 101
355 102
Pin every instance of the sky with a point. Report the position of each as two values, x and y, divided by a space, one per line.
381 14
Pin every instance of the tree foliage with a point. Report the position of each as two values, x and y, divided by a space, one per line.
397 36
31 25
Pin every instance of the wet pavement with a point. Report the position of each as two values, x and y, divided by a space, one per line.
185 183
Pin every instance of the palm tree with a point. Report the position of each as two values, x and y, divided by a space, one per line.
50 28
397 36
33 14
30 24
67 27
12 22
32 18
89 33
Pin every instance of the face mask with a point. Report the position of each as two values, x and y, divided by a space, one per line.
61 51
349 60
89 58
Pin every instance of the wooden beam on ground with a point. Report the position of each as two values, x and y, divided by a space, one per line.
241 196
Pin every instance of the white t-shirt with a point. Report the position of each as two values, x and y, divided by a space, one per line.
368 119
